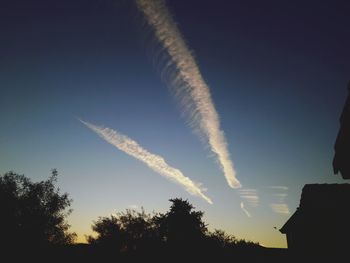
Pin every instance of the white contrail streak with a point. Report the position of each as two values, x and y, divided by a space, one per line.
188 84
155 162
245 210
250 195
278 187
280 208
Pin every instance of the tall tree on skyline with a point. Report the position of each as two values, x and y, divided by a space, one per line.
33 214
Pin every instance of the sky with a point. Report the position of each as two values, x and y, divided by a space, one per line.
277 72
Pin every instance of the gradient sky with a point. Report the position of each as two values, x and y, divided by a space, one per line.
277 71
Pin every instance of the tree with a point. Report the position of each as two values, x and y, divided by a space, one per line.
182 226
220 239
139 230
128 231
109 234
33 214
180 232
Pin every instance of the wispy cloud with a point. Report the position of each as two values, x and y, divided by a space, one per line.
245 210
280 197
188 84
154 161
249 195
280 194
280 208
278 187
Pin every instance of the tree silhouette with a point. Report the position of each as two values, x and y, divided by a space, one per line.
127 231
33 214
140 230
109 234
219 239
180 232
33 221
181 226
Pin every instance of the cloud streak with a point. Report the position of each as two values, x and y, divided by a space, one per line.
280 208
250 195
188 85
280 197
278 187
245 210
154 161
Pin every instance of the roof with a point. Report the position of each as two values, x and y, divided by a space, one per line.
320 205
291 222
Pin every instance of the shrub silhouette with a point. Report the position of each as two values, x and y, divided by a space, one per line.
127 231
140 230
33 214
109 233
218 239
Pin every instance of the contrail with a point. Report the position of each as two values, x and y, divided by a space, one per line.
250 195
245 210
278 187
155 162
280 208
188 84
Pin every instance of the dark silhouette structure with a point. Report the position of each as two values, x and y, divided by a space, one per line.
341 161
319 227
320 224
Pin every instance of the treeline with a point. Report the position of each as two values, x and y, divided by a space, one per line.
34 218
180 228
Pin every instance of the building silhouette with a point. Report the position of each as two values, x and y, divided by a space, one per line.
341 161
320 223
319 227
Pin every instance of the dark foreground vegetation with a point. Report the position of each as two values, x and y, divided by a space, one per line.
34 227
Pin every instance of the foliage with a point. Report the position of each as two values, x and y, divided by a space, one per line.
134 230
139 229
181 225
220 239
33 213
109 232
34 216
130 230
181 228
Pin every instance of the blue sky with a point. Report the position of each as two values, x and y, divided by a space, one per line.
277 74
